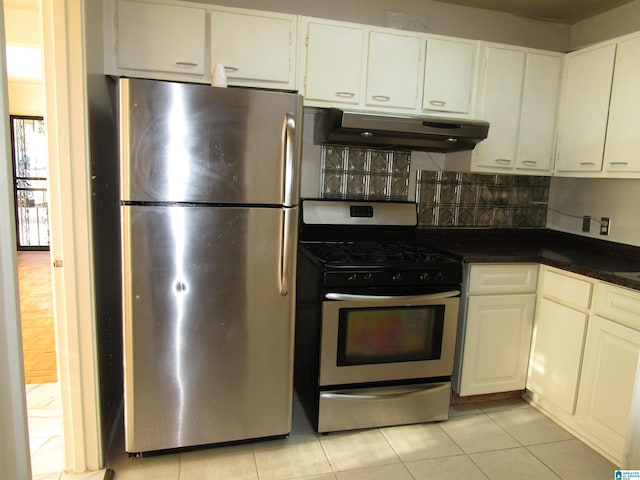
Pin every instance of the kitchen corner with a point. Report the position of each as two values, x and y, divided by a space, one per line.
608 261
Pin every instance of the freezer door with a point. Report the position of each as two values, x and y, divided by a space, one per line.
195 143
208 324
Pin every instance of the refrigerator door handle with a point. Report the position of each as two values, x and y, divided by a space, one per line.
290 132
285 251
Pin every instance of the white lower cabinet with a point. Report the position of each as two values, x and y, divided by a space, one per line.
496 333
609 371
606 388
556 354
497 343
585 353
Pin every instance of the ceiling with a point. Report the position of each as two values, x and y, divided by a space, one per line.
559 11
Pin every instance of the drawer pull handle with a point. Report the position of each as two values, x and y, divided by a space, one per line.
381 98
186 64
618 164
231 69
503 161
345 94
530 162
587 164
437 103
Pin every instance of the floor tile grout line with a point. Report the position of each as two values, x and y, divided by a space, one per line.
541 461
319 436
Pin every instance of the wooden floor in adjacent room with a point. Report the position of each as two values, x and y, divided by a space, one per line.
36 312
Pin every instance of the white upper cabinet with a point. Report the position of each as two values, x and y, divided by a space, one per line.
393 70
335 55
449 76
621 157
256 48
147 35
383 70
536 141
500 97
518 97
584 110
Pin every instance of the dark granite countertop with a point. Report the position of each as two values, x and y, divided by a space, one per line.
608 261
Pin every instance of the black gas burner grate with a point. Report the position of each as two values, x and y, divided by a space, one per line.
375 253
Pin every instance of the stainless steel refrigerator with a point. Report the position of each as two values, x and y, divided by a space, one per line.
209 201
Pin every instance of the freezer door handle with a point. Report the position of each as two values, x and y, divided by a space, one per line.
286 251
290 132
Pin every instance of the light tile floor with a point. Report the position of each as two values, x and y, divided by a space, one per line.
500 440
45 435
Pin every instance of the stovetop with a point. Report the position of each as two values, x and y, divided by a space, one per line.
376 254
372 244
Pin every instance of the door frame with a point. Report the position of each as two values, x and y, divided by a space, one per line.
66 110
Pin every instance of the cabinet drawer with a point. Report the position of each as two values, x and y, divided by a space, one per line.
618 304
571 291
496 278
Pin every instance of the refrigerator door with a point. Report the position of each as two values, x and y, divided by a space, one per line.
208 329
195 143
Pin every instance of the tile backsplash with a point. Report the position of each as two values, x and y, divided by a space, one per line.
445 199
454 199
364 173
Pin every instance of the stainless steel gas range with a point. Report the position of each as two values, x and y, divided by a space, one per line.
376 317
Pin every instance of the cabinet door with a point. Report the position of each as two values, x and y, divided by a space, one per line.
164 38
496 344
500 105
584 110
254 48
611 359
448 76
539 105
623 141
556 354
335 55
392 71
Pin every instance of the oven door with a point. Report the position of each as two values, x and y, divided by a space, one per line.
375 338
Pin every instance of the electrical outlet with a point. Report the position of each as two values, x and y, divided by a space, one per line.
605 225
586 223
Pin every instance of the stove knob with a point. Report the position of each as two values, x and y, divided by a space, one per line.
437 276
352 278
368 278
396 277
425 276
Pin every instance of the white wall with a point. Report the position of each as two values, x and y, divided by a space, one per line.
617 199
23 29
442 18
615 23
25 99
14 443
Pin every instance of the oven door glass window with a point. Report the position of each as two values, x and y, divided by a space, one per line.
377 335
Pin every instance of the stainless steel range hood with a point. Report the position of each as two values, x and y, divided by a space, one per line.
337 127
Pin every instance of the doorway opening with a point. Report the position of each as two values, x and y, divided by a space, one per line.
30 182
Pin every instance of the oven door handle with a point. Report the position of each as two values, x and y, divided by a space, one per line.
384 298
